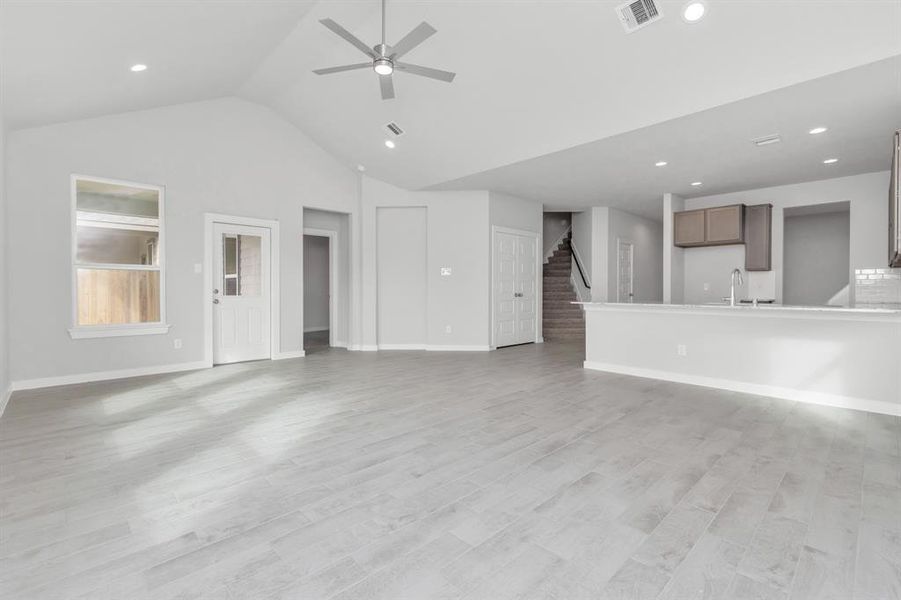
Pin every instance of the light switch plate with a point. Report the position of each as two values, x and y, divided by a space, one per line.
445 271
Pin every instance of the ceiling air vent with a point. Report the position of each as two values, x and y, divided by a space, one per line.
766 140
637 14
394 128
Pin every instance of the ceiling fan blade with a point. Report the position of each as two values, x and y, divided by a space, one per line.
349 37
330 70
426 72
386 82
420 33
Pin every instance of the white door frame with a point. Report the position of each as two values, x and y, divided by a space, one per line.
539 260
209 219
333 287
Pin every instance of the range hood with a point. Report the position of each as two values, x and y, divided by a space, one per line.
894 206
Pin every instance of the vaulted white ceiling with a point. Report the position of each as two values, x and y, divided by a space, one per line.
69 59
534 78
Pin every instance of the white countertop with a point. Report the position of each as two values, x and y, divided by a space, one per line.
762 310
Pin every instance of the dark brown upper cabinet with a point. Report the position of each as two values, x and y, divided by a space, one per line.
689 227
725 225
758 237
709 227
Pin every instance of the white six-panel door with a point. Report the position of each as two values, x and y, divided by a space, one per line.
515 289
241 293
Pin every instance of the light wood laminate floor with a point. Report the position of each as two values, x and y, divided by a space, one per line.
417 475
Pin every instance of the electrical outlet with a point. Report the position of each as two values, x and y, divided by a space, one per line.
198 268
447 329
706 287
177 343
682 350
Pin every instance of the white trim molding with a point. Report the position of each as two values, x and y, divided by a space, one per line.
78 332
461 348
43 382
401 347
333 280
289 354
784 393
100 331
4 400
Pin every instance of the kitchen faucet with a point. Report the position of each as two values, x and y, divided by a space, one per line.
741 281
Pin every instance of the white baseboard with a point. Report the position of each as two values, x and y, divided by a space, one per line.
401 347
4 399
289 354
437 348
31 384
785 393
315 328
338 344
362 347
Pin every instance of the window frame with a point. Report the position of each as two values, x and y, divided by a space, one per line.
77 331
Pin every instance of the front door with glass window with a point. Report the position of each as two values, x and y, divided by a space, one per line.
241 293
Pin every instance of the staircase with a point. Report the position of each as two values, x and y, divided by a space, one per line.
561 320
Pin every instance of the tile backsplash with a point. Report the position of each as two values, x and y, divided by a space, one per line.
878 287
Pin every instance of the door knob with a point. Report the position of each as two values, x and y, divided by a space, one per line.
215 300
215 291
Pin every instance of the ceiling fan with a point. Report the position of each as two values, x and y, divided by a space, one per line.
384 58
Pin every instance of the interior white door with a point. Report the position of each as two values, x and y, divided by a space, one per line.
515 289
241 293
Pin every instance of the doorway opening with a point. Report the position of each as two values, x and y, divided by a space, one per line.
318 332
816 255
326 279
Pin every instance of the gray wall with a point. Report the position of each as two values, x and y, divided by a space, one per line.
315 283
554 224
402 251
224 156
4 258
646 237
815 257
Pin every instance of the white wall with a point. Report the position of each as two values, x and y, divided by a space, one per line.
582 240
225 156
401 276
673 257
458 237
867 195
646 236
315 283
554 224
345 285
516 213
825 358
815 257
4 259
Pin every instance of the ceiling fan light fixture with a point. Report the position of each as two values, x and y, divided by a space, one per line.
383 66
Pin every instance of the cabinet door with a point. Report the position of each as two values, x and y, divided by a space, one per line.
758 237
688 228
725 225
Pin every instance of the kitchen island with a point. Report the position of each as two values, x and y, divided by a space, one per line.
847 357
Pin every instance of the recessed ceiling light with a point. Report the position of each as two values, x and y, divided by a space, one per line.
661 163
693 12
361 168
817 130
830 161
696 183
389 143
138 68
